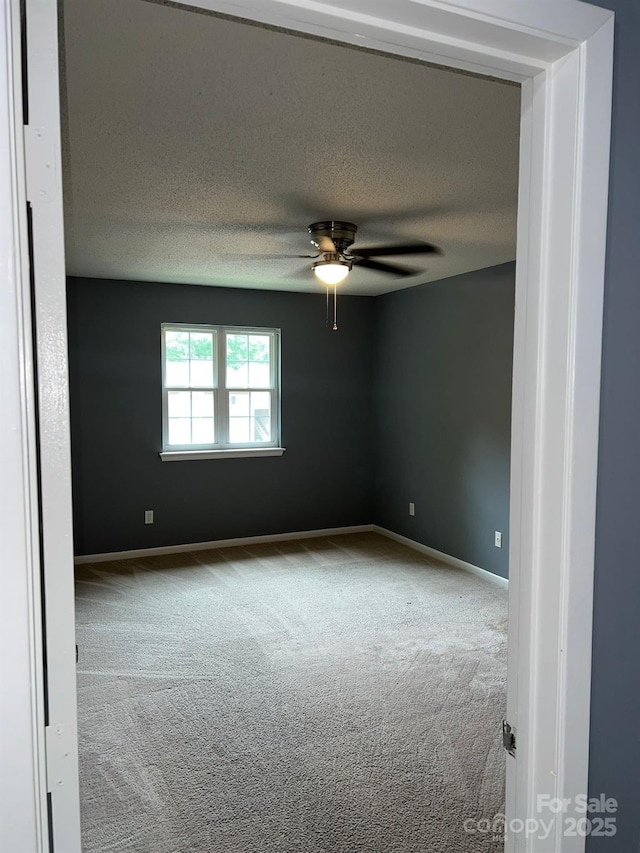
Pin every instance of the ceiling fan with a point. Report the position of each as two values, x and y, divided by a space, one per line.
335 258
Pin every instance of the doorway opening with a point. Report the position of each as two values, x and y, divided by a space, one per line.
357 672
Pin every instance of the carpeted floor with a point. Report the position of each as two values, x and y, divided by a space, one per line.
318 696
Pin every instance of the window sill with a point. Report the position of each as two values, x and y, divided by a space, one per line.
239 453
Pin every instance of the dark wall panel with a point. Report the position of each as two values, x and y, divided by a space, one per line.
323 479
615 705
442 406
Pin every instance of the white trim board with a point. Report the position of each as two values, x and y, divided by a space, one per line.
221 543
441 557
240 453
110 556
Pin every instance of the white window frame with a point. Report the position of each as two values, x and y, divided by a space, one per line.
222 447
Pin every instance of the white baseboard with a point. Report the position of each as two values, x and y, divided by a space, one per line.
221 543
443 558
299 534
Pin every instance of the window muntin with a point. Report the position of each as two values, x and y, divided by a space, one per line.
220 387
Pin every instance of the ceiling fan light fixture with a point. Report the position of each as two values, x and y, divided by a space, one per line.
331 272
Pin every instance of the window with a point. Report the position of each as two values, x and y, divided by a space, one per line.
221 394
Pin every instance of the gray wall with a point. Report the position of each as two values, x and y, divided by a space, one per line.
437 356
442 408
323 479
615 706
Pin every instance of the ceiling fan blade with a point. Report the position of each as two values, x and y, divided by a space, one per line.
301 273
392 269
258 256
326 244
277 257
408 249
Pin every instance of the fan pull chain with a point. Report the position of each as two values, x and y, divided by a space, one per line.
335 307
327 320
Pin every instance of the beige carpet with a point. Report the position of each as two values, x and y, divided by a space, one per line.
318 696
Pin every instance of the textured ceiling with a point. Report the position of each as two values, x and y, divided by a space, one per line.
195 146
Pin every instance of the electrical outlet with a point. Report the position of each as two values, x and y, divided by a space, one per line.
412 508
148 516
498 539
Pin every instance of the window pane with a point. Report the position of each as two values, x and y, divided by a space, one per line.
177 374
262 428
176 346
239 404
201 374
259 375
237 356
179 431
202 431
249 416
238 375
239 430
201 345
260 400
202 404
261 416
259 348
179 404
237 348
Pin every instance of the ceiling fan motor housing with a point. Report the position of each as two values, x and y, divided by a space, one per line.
341 233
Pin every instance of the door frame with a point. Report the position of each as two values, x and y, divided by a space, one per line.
562 55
